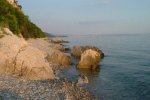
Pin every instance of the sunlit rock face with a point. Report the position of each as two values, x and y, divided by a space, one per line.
31 62
89 59
77 50
18 58
53 51
14 3
58 57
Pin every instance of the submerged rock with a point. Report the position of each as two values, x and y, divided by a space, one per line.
75 92
89 59
82 80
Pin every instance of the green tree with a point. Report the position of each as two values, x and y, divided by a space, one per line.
17 22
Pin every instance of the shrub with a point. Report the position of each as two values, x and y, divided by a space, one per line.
17 22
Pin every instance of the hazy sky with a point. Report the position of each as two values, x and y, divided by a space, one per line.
89 16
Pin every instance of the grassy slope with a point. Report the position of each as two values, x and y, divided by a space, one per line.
17 22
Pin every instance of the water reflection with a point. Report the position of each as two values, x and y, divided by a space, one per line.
89 73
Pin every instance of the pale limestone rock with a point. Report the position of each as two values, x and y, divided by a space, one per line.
44 45
40 44
1 32
13 3
54 55
11 42
9 48
7 31
82 80
58 57
17 58
57 40
77 50
89 59
32 64
57 47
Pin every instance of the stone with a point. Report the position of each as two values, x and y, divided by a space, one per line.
58 40
40 44
52 51
82 80
57 47
58 57
32 65
95 49
18 58
77 50
44 45
10 45
89 59
7 31
13 3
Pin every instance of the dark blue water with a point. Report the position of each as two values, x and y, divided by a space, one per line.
124 73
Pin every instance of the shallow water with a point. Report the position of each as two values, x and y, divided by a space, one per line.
124 73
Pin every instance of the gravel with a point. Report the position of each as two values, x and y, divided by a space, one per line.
12 88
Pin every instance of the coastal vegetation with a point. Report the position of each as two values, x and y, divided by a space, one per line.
17 22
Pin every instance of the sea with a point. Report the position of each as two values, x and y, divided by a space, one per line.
123 74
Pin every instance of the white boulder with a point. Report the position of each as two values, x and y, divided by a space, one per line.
89 59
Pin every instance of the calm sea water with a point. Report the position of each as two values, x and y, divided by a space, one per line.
124 73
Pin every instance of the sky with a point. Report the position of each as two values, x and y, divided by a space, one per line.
89 16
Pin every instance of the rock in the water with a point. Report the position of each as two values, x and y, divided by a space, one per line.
95 49
89 59
82 80
58 57
78 50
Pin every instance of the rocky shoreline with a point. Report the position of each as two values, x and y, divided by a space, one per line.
56 89
29 67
